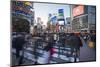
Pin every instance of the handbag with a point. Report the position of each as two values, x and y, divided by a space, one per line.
91 44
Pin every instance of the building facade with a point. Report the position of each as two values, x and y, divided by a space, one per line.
85 20
22 16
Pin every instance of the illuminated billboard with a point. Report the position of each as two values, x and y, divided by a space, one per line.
61 14
78 10
22 8
61 22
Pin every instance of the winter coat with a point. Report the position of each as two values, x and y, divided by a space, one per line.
75 42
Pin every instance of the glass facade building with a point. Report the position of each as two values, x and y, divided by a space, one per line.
85 21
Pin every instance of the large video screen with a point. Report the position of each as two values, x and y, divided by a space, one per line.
78 10
54 42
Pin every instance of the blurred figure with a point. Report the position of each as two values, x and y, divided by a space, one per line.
55 37
18 43
75 44
46 55
93 39
86 37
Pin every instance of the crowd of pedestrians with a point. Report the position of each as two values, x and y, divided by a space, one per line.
49 40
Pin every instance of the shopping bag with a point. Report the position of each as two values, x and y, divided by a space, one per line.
91 44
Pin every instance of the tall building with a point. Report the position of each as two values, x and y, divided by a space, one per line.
92 18
68 28
38 20
84 18
49 22
39 25
52 21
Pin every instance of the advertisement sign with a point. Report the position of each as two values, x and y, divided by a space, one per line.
78 10
54 20
22 8
28 3
61 10
61 14
19 8
23 3
61 22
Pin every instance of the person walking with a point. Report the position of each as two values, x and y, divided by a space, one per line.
75 44
93 39
18 44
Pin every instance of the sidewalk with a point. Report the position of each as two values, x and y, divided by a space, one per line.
87 53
